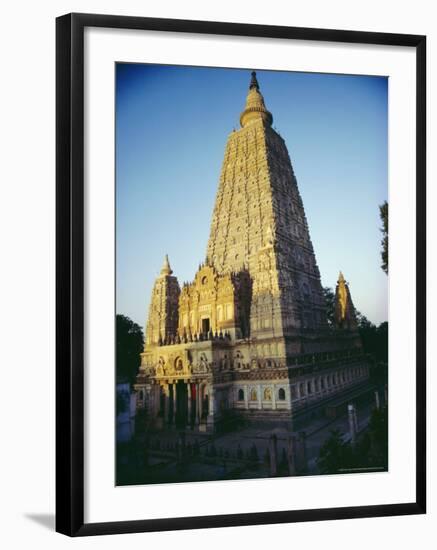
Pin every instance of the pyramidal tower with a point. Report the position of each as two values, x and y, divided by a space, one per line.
259 224
249 335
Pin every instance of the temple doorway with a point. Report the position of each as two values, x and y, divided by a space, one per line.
181 409
205 325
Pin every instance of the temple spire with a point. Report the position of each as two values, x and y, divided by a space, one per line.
345 316
342 297
166 269
255 109
162 322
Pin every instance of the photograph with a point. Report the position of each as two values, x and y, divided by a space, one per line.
215 250
251 244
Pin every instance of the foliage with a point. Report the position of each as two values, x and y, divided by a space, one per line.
362 321
334 454
130 342
374 339
383 214
370 450
329 296
378 435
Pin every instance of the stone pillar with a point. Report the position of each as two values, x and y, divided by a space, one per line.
159 413
200 402
154 401
173 403
211 402
301 453
210 417
194 404
189 404
246 397
167 403
175 399
274 397
377 402
352 422
147 400
197 404
273 451
150 391
291 455
259 397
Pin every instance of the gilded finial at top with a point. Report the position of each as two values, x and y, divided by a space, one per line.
253 81
166 269
255 109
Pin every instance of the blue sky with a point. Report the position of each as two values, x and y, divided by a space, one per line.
172 124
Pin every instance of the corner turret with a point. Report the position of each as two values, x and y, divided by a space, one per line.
163 317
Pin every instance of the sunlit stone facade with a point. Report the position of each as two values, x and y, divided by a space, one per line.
249 336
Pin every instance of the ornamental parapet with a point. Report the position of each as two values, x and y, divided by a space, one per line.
200 337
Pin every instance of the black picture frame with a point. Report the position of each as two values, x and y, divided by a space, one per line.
70 273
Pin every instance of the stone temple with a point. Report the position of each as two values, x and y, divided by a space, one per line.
249 337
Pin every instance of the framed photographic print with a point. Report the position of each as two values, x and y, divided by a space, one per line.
240 336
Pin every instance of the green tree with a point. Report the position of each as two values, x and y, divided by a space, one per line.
362 321
130 342
334 454
378 434
329 296
374 339
370 451
383 214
